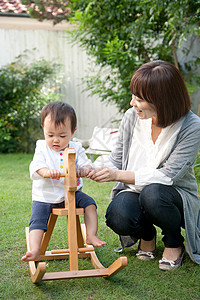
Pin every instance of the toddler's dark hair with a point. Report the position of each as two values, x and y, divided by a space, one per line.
59 112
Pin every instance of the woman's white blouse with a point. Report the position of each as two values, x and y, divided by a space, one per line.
145 156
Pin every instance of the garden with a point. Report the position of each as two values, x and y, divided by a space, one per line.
121 35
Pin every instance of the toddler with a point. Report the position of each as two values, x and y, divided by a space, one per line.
59 124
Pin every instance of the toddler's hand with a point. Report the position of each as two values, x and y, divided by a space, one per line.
52 173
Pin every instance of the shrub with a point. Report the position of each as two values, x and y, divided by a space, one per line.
24 90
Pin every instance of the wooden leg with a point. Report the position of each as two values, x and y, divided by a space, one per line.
47 235
72 232
79 233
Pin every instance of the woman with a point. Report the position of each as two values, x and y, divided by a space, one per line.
159 139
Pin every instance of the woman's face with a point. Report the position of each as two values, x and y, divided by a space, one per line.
144 109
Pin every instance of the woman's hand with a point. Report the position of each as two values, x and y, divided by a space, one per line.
105 174
102 174
83 171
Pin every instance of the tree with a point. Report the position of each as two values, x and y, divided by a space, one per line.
24 90
56 10
127 33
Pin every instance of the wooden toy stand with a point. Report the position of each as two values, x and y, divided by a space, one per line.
76 237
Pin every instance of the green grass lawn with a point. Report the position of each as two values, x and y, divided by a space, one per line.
139 280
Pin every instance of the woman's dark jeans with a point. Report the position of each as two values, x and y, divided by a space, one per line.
136 214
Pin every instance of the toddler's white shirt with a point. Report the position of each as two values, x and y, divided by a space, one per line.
47 189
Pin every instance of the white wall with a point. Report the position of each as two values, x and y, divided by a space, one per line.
19 34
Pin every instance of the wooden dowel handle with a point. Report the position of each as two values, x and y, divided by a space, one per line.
61 175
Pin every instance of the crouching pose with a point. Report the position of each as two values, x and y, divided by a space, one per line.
159 139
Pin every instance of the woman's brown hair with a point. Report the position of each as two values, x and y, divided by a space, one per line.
59 112
161 83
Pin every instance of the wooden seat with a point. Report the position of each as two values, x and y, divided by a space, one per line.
77 247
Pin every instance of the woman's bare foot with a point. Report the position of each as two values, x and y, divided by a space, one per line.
95 241
172 253
31 256
148 245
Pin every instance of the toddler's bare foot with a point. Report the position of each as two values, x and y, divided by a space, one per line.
31 256
95 241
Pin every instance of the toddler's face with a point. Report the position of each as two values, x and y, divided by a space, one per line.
57 138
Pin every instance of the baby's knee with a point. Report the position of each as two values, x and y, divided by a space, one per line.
91 207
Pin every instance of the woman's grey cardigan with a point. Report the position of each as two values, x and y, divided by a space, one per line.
178 165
